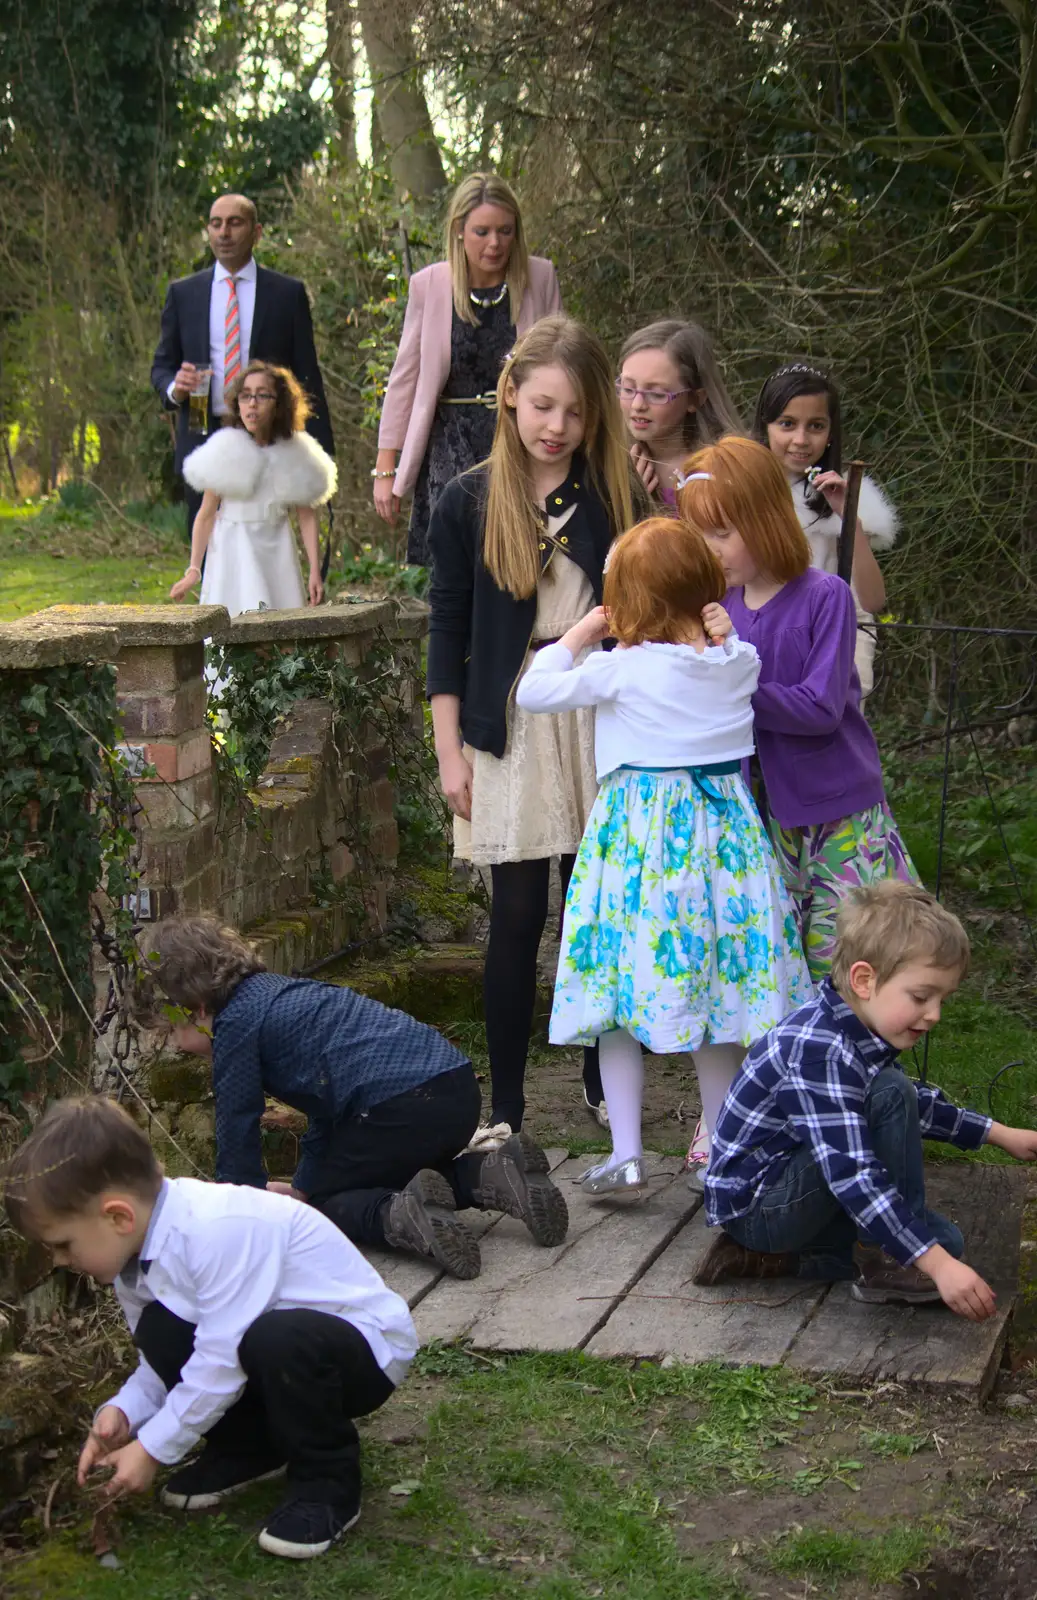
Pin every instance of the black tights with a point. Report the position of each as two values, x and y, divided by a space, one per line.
518 915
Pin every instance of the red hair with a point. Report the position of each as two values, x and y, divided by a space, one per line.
744 487
659 576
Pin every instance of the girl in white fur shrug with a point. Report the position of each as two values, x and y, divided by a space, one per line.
251 473
798 417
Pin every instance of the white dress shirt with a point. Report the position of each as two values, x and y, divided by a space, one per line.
245 279
658 705
219 1255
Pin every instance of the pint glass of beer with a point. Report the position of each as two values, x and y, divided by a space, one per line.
199 414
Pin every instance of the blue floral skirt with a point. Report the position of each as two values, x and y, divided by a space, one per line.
678 926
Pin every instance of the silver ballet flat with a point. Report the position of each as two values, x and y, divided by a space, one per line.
625 1178
591 1172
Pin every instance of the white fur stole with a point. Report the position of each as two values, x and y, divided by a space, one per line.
291 472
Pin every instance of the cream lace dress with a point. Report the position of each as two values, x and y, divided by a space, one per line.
534 801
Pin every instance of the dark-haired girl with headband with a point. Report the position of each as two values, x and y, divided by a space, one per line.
518 551
799 418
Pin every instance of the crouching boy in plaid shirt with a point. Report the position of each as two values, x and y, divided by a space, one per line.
816 1167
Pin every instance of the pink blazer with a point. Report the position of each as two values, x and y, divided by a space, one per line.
422 362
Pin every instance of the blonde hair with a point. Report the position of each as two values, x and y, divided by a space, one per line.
660 576
200 963
513 532
745 488
483 189
891 924
689 348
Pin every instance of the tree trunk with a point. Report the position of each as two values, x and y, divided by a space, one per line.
417 167
340 65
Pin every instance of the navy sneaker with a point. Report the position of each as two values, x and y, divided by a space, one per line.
302 1529
204 1483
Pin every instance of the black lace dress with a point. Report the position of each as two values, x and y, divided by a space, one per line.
461 435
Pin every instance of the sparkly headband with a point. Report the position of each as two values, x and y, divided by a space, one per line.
799 366
682 481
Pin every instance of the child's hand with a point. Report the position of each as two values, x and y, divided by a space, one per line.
185 584
833 487
315 587
110 1431
590 629
134 1471
960 1287
1019 1142
455 780
716 622
646 470
280 1186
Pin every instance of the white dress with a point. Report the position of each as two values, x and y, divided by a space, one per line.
879 520
534 801
252 562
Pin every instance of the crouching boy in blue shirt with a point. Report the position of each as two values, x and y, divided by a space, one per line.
816 1166
260 1327
390 1102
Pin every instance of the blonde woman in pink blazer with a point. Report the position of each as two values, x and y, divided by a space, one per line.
439 408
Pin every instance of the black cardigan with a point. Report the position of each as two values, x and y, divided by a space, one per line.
478 633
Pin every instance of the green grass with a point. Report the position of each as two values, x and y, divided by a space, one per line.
559 1477
28 584
880 1557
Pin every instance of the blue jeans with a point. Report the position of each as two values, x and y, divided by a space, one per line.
800 1213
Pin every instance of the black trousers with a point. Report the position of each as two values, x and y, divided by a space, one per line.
371 1157
309 1374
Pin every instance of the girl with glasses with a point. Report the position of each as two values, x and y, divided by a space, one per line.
673 400
260 465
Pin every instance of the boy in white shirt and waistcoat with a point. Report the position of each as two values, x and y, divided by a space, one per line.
260 1328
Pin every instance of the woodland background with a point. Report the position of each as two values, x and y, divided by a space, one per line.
852 181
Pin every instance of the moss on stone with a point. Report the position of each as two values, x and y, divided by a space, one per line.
183 1080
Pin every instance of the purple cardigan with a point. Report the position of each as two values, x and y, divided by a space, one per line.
818 756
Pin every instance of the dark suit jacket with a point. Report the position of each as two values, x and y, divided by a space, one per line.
282 332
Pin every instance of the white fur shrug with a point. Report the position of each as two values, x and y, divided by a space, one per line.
877 514
291 472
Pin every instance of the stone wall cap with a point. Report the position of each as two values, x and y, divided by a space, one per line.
310 622
37 641
141 626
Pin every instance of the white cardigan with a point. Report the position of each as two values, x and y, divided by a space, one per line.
659 705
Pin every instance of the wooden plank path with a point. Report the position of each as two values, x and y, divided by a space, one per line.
620 1285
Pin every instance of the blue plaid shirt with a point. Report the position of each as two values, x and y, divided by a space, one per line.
320 1047
804 1083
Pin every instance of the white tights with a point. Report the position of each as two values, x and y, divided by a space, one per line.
622 1079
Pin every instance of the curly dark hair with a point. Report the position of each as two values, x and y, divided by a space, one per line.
292 407
200 962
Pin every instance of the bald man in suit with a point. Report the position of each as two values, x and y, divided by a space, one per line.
224 317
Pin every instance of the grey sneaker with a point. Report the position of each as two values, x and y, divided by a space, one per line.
514 1180
421 1221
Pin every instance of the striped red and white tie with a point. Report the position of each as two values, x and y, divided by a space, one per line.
231 336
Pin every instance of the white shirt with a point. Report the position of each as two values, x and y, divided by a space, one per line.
245 279
659 705
219 1255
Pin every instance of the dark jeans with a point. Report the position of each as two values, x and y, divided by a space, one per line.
371 1157
309 1374
800 1213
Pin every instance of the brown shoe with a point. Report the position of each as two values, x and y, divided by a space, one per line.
883 1280
726 1258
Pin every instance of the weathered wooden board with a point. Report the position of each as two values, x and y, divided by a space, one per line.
929 1344
665 1314
528 1298
413 1278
